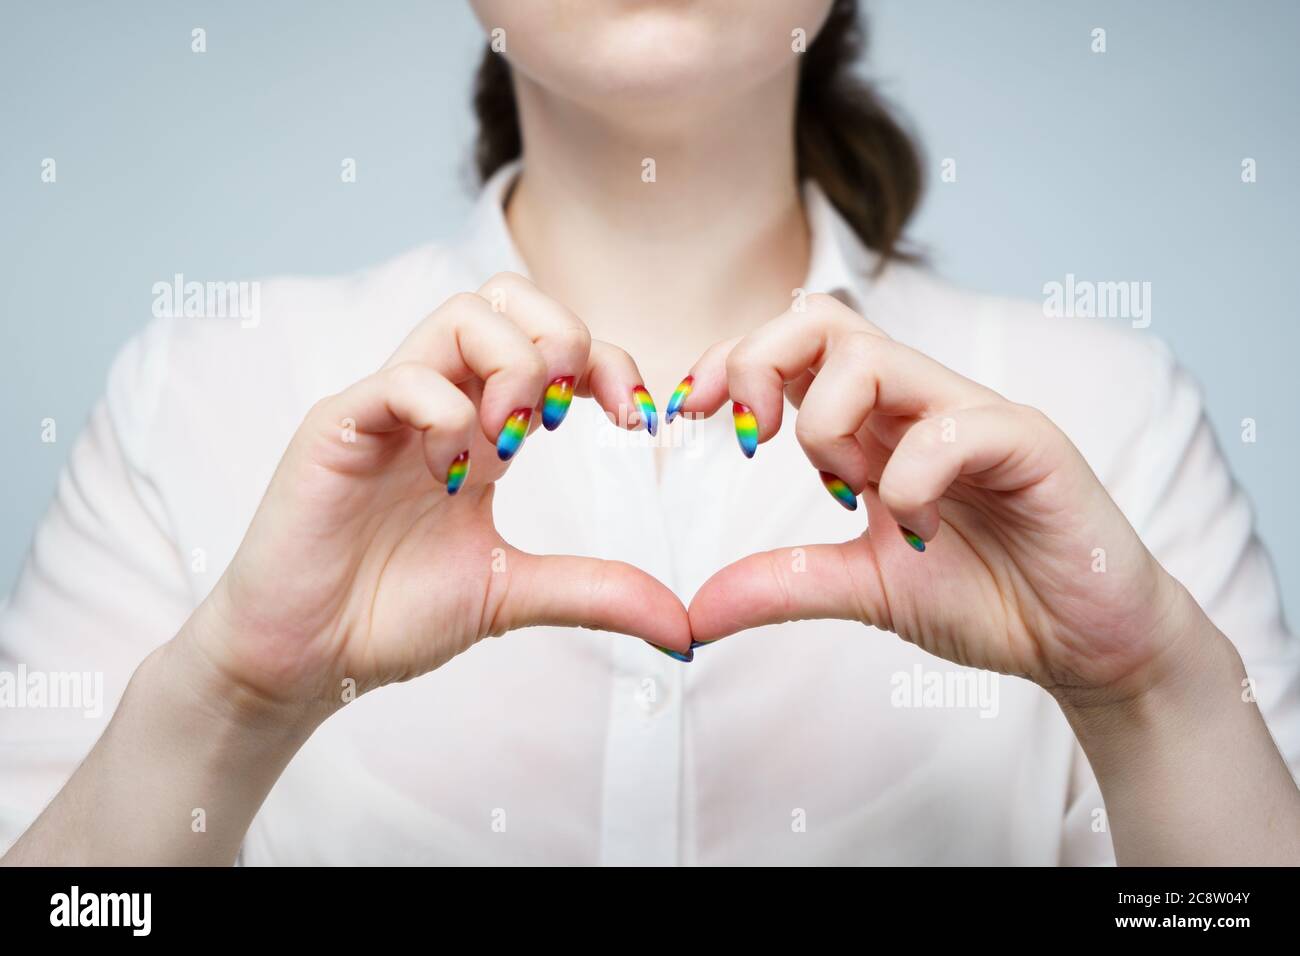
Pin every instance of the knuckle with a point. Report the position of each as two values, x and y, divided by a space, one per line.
617 354
462 416
822 304
778 570
863 346
575 337
507 278
406 375
828 310
740 359
1036 422
323 410
825 309
603 353
1035 417
531 364
500 286
811 433
464 302
896 497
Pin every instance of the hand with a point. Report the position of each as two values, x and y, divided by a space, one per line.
987 528
373 557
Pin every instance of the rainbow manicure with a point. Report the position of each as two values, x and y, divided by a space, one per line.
912 538
675 655
679 395
646 406
457 472
559 396
513 433
746 428
840 491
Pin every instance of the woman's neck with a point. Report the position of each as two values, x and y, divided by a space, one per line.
663 260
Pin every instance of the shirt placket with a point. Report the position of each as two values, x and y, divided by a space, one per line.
641 786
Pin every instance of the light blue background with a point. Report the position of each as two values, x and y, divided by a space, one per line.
1115 166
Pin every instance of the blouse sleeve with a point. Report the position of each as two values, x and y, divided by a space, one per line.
102 586
1184 503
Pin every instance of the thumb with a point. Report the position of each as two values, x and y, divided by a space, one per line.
566 591
790 584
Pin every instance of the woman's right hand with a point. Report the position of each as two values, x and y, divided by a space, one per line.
366 563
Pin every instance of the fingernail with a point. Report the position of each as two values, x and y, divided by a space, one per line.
646 406
513 433
675 655
912 538
839 490
559 396
679 395
457 472
746 428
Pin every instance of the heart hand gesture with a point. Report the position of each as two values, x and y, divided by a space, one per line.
373 555
985 521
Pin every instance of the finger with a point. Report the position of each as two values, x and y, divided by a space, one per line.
754 371
614 381
796 390
864 374
564 591
464 339
407 395
782 351
1002 447
791 584
704 389
561 337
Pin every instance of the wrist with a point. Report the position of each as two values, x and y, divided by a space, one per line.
1196 673
190 666
1189 774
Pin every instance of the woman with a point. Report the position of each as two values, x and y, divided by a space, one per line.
675 193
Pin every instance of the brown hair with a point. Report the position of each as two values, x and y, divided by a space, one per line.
846 138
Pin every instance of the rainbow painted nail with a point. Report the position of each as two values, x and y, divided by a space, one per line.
912 538
646 406
457 472
513 433
840 491
559 396
675 655
746 428
679 395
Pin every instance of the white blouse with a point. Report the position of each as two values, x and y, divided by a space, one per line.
811 742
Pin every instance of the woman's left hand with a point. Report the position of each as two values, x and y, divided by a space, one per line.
991 542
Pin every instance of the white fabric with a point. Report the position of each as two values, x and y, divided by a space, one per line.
782 745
